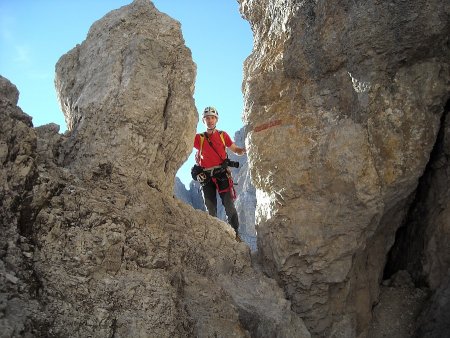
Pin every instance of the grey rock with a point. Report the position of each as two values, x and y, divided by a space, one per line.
132 71
396 312
433 321
18 282
338 141
181 192
195 191
346 107
113 252
193 196
8 91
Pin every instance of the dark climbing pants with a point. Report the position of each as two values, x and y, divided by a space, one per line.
210 197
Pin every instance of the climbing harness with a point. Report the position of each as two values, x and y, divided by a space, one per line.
220 175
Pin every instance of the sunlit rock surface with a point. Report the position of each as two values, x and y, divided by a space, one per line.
93 242
135 70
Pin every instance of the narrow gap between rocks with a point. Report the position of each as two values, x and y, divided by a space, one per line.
227 98
407 253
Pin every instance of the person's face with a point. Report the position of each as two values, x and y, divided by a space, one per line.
210 121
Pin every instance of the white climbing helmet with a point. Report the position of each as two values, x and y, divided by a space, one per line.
210 111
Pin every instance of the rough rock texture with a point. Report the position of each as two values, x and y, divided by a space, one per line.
343 104
8 91
427 224
104 74
421 245
93 243
346 105
434 320
398 307
192 196
18 283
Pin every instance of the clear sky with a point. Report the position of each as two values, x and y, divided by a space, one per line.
35 34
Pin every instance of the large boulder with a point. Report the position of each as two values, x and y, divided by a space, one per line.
343 104
127 96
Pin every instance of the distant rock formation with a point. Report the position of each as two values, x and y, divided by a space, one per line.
344 102
246 193
190 196
179 190
196 196
93 243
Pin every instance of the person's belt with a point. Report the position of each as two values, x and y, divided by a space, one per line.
212 169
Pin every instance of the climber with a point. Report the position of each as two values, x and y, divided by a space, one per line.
212 169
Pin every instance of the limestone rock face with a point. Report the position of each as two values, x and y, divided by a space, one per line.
133 67
8 91
18 143
93 243
343 104
421 245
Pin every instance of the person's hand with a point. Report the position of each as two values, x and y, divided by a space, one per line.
238 150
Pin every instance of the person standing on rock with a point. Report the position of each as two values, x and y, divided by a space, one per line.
212 167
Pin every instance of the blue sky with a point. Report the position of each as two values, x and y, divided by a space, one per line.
35 34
